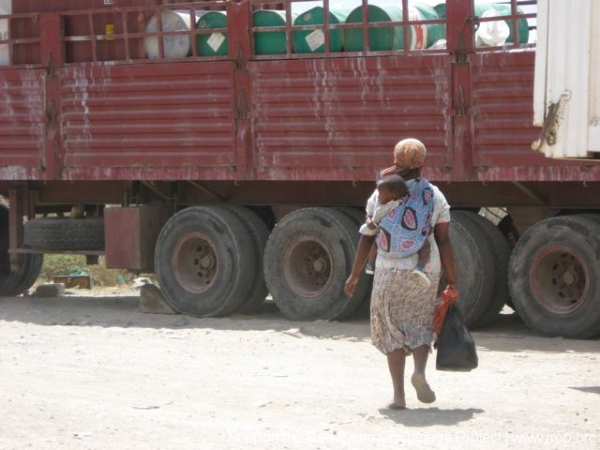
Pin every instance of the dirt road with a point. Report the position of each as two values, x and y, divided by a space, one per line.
95 373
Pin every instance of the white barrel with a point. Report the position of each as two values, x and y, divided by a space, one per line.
5 9
173 46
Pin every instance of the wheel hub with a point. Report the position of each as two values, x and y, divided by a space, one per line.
559 280
195 262
207 262
307 266
570 278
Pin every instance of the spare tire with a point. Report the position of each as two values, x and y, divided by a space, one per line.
65 234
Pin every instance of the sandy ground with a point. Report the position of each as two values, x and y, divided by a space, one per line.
95 373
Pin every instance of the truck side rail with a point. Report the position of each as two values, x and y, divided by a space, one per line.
276 31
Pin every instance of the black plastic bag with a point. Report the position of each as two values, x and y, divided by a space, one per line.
455 345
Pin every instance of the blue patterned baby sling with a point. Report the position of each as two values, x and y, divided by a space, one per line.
404 230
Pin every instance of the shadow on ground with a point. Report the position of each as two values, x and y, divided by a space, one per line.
508 333
123 311
587 389
429 417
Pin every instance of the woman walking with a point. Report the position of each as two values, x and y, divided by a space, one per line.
402 309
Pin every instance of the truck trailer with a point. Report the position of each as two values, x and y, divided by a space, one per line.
230 146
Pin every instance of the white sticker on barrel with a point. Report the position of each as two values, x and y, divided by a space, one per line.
215 41
315 40
418 32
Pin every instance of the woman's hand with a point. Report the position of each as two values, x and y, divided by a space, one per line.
362 254
350 285
450 294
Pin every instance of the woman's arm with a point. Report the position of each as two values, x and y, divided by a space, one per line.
441 233
362 254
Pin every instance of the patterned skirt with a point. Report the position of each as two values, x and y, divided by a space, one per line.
402 310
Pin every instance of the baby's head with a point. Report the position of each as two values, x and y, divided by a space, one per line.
392 187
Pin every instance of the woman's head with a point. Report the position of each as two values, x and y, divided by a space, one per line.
409 157
392 187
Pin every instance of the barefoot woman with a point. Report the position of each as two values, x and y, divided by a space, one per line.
401 308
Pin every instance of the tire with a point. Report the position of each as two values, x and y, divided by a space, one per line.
474 265
14 283
508 229
65 234
358 216
24 278
308 258
500 249
205 261
591 216
554 277
365 282
4 245
260 235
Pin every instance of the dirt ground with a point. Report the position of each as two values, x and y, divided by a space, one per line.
93 372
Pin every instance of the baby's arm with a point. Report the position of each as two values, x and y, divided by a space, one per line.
383 210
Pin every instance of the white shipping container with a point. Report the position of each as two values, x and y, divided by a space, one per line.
567 78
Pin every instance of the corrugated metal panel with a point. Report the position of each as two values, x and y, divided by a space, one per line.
503 109
567 67
327 114
154 116
22 121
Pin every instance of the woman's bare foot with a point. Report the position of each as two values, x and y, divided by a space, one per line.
424 392
398 402
395 405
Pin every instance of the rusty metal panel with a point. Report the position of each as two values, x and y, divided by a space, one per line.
22 124
161 118
502 107
324 115
130 236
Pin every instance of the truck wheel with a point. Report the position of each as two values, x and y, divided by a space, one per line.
205 261
501 253
308 258
65 234
365 282
554 277
260 234
509 230
16 282
23 279
4 244
474 263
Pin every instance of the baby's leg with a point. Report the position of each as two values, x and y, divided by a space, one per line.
372 257
419 272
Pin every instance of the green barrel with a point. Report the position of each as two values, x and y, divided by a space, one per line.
481 7
269 42
435 31
313 41
214 44
381 38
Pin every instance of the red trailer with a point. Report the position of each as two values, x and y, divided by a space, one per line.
243 171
